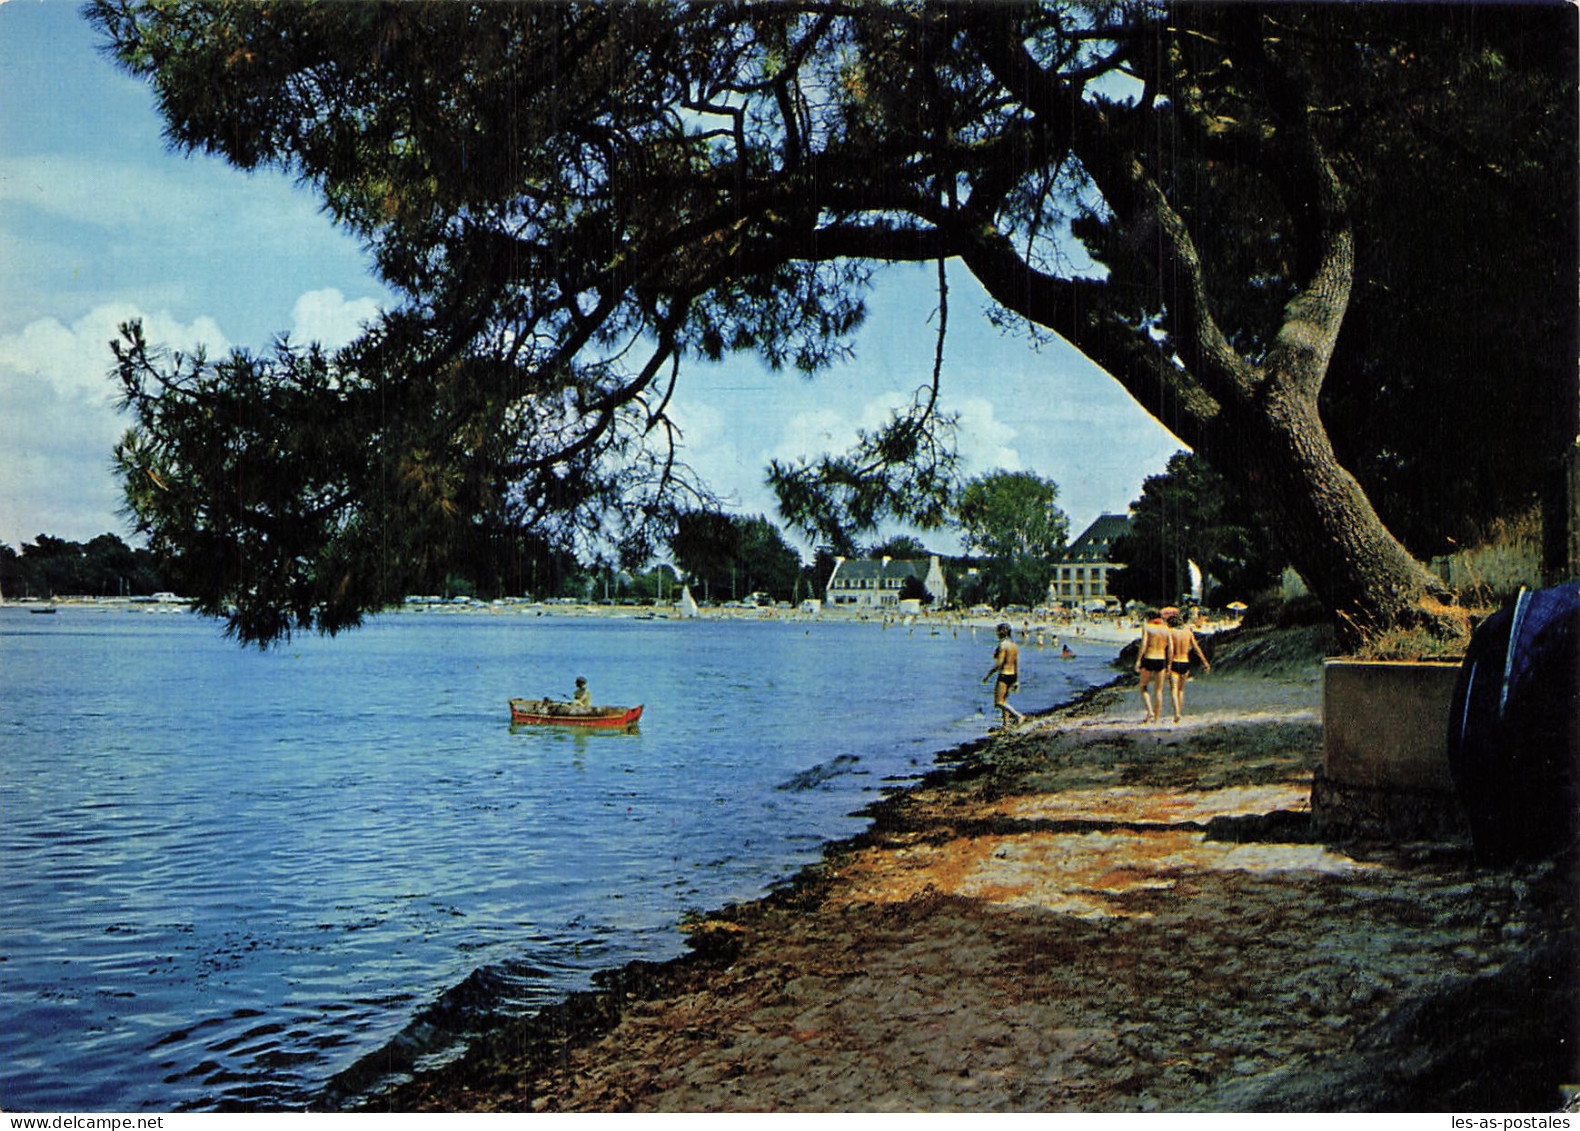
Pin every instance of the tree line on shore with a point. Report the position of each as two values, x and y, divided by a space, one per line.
104 566
1009 522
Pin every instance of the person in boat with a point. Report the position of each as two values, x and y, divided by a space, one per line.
1006 665
1152 661
1182 642
581 701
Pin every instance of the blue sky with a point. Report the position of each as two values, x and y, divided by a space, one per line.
101 222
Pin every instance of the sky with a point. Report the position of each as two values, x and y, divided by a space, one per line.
101 222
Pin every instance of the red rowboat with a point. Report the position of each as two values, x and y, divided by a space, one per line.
554 713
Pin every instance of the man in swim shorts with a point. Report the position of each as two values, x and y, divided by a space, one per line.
1006 665
1152 661
1182 642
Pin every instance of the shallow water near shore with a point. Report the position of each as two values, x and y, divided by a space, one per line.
229 876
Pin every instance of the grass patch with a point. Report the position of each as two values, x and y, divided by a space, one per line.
1414 645
1493 571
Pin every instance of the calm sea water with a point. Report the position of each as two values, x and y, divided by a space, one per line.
228 877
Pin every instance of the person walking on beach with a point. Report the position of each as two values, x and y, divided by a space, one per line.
1182 642
1152 661
1006 665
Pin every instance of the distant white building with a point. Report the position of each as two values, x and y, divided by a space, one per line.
868 584
1082 575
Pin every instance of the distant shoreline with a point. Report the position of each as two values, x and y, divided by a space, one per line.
1106 632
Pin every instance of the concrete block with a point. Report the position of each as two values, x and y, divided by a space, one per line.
1385 724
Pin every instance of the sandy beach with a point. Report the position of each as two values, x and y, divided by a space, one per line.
1088 914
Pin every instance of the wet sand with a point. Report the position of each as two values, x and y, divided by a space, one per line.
1088 914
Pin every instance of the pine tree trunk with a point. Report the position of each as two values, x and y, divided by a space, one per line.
1321 519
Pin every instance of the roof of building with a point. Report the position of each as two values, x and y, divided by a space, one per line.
1096 543
866 569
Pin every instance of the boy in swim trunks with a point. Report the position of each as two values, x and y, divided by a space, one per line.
1006 665
1152 661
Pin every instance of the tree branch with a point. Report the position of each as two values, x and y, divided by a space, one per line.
1079 311
1319 205
1126 186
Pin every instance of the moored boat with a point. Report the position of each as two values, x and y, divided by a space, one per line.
552 712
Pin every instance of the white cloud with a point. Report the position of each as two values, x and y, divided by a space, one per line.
715 444
703 444
984 440
701 425
814 432
58 421
76 360
327 317
817 431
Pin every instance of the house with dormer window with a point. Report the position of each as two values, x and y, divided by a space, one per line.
1082 574
876 584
